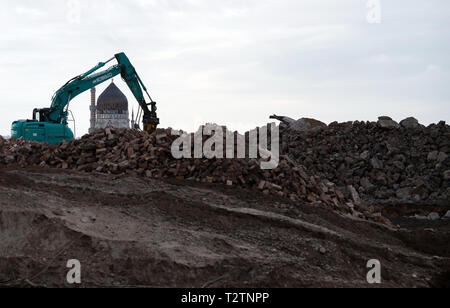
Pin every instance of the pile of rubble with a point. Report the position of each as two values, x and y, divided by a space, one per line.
382 161
116 151
343 166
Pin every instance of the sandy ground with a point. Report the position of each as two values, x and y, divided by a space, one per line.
136 232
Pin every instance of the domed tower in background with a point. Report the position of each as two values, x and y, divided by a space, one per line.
111 109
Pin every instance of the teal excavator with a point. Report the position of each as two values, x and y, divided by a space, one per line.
51 124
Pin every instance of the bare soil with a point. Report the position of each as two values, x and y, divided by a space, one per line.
130 231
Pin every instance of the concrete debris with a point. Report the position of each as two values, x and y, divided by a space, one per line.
384 166
376 163
301 125
410 123
365 155
387 122
354 195
442 157
434 216
420 217
447 215
118 152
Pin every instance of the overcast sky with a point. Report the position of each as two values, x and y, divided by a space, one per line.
234 62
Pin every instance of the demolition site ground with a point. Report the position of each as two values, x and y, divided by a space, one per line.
118 201
131 231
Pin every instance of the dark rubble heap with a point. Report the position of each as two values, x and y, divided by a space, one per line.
385 162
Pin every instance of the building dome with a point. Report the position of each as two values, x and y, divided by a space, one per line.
112 100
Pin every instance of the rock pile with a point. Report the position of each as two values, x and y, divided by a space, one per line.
343 166
118 151
301 125
383 161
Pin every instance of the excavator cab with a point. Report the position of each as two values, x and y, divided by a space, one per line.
41 115
37 115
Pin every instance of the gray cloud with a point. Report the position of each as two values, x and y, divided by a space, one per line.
235 62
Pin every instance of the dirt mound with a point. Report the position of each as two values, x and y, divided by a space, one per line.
132 231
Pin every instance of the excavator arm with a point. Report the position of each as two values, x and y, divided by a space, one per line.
58 112
134 82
